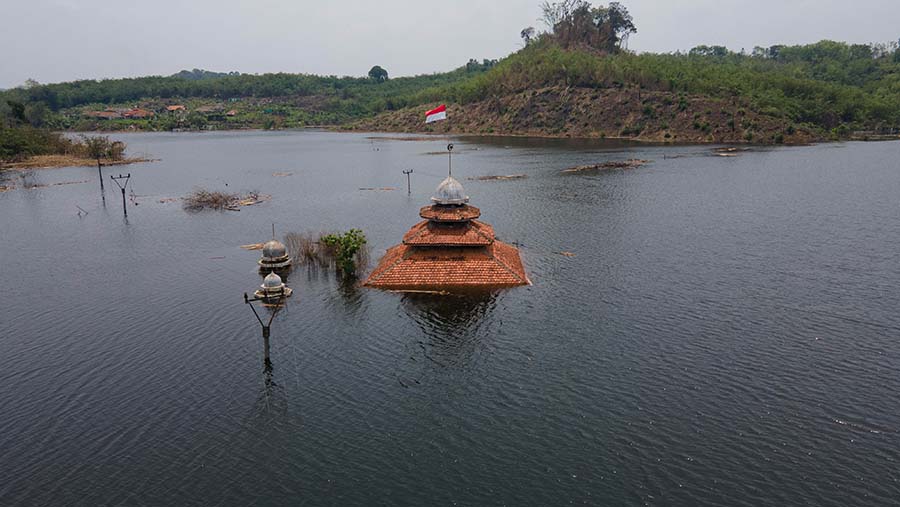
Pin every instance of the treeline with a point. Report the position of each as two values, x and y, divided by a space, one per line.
367 94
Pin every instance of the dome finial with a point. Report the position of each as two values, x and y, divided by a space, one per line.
450 192
450 160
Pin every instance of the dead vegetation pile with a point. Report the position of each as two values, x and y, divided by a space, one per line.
500 177
201 199
613 164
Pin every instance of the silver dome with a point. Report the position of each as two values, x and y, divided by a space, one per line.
272 281
450 191
274 249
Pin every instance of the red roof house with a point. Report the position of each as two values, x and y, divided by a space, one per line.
449 249
137 113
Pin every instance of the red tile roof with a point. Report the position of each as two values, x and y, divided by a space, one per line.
428 233
450 249
450 213
409 267
137 113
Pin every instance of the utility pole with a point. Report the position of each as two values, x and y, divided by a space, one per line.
450 159
100 172
408 188
121 187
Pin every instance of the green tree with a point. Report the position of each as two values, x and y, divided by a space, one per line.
577 23
96 146
345 249
35 114
378 74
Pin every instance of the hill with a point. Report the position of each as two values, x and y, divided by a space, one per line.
573 80
827 90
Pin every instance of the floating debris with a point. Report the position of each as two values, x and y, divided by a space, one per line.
282 174
168 199
380 189
254 198
403 138
565 254
253 246
501 177
4 188
613 164
729 151
204 199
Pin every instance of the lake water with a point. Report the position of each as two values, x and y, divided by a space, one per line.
726 332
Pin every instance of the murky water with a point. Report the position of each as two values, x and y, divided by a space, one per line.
725 333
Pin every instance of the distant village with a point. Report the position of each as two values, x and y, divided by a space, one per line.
213 112
192 114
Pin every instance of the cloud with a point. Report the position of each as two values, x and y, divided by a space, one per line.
62 40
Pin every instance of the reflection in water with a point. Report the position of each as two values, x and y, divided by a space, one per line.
560 144
272 397
272 394
450 323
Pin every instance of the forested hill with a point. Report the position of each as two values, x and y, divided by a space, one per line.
802 93
574 79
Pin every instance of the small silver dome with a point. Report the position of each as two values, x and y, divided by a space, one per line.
272 281
450 191
273 249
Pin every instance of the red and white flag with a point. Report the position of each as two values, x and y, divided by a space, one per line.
438 113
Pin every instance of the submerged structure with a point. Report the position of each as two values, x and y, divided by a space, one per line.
274 257
273 288
450 248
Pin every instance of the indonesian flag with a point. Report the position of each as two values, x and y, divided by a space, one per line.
438 113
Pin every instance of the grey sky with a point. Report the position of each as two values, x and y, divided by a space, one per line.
63 40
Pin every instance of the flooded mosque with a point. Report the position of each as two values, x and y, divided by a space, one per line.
449 249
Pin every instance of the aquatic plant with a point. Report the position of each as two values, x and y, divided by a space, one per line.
304 248
347 250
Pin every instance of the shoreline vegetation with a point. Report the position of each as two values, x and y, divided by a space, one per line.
57 161
27 147
573 80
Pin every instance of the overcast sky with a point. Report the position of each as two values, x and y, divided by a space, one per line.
63 40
